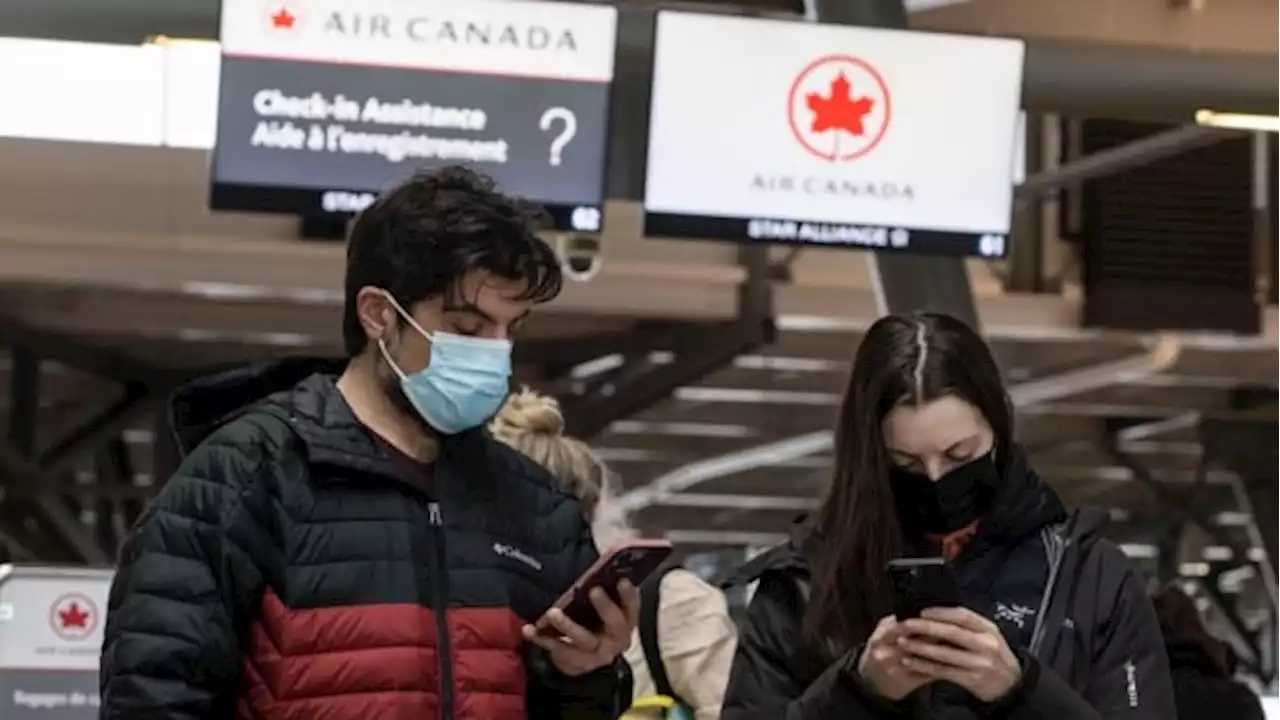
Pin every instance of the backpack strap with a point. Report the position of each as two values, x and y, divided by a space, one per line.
650 601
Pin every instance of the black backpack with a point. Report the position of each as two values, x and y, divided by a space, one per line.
650 601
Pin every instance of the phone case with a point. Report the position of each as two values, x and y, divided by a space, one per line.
920 583
634 561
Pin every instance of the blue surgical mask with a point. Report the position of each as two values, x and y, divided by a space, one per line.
463 385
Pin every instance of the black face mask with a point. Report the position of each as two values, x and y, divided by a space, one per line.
956 500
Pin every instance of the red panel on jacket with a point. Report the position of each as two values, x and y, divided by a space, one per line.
378 662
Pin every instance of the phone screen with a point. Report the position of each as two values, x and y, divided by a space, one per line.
920 583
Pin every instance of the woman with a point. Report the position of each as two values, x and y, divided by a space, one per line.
696 636
1202 664
1055 624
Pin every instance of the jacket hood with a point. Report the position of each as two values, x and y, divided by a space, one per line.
1023 505
204 405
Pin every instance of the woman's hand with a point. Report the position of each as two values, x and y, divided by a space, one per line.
881 664
961 646
576 651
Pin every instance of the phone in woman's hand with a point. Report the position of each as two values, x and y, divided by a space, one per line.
921 583
633 561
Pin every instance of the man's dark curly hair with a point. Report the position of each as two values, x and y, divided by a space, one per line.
420 238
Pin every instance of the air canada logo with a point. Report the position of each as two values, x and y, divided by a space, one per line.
839 108
281 18
73 617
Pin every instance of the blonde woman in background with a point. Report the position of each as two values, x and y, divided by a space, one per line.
696 636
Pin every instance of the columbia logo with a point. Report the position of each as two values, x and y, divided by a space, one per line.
516 554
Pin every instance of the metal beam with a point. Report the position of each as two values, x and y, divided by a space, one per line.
717 501
13 550
1122 80
1169 547
1120 158
1162 356
113 513
22 532
24 400
724 537
166 455
699 354
589 416
98 429
562 353
1027 237
1248 450
101 361
1261 206
1182 505
34 485
1269 643
31 485
1227 608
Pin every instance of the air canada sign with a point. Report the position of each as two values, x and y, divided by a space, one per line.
324 103
437 31
862 137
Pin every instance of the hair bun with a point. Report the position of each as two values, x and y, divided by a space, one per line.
527 412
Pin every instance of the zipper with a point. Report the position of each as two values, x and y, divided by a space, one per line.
1055 548
440 601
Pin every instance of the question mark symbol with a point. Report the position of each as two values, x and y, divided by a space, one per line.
570 121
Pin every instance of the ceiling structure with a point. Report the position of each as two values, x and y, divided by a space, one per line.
120 283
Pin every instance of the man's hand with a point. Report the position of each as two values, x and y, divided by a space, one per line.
960 645
576 651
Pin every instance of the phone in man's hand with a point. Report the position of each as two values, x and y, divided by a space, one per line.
634 561
920 583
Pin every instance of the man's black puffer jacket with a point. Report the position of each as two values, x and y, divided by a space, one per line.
296 567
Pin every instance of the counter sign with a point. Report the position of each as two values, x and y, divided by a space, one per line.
73 617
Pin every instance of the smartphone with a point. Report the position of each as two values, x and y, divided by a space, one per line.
920 583
634 560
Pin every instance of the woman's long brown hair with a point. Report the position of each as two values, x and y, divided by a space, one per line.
1181 622
902 359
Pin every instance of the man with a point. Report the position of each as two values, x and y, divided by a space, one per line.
353 547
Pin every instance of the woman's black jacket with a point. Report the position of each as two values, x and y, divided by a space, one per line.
1065 598
1205 692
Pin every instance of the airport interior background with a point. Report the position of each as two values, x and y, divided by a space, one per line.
1128 283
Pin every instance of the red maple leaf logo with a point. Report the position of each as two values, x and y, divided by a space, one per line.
282 19
73 616
839 109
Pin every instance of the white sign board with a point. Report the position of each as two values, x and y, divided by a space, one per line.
787 131
159 95
51 623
